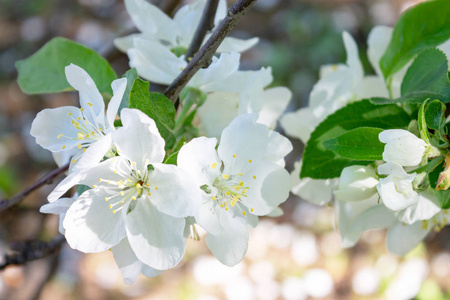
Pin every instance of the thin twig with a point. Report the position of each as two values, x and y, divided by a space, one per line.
203 57
31 250
6 203
206 24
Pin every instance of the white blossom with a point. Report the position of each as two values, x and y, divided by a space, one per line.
402 147
357 183
83 132
133 196
240 181
396 190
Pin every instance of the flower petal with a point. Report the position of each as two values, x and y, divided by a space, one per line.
118 86
402 147
403 238
274 102
269 186
219 109
245 139
356 217
300 124
126 42
156 238
278 147
155 62
377 42
93 155
353 57
231 44
53 129
209 217
129 265
177 195
198 158
187 19
139 139
230 246
90 98
427 206
150 20
58 207
90 224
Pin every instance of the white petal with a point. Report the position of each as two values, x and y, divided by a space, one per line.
274 102
51 123
151 20
356 217
267 189
155 62
209 217
278 147
197 157
300 124
90 98
371 86
139 139
402 147
353 57
63 157
377 42
217 112
403 238
58 207
90 224
244 138
187 19
129 265
427 206
230 246
395 200
315 191
212 78
177 195
231 44
118 86
221 12
156 238
93 155
126 42
357 183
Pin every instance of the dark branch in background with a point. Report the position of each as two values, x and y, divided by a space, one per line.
203 57
168 6
31 250
5 203
205 25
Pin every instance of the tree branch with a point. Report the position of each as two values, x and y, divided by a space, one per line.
31 250
6 203
203 57
206 24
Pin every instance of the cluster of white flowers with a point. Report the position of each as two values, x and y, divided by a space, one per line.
381 195
133 203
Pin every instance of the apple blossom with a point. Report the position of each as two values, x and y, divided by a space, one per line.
239 182
83 132
132 196
396 190
405 148
357 183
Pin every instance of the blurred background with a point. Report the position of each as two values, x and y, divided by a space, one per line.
296 256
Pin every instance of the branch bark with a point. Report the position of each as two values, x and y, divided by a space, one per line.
6 203
205 25
31 250
203 57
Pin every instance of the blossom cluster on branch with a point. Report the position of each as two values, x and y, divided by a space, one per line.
147 172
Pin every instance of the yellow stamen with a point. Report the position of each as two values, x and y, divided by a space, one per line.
240 174
249 160
59 136
214 165
64 146
254 177
79 146
243 213
234 155
214 198
251 209
225 176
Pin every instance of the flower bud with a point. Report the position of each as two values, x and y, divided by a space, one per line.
443 182
357 183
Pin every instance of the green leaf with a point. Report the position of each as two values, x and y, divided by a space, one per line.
156 106
424 25
131 75
358 144
434 115
321 163
423 128
427 77
172 159
43 72
442 196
